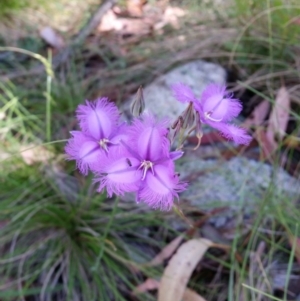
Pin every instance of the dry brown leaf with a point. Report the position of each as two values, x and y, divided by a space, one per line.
258 115
152 284
109 22
166 252
171 16
35 154
149 284
267 144
135 7
180 267
123 26
280 114
190 295
51 37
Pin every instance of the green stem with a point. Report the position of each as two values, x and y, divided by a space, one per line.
48 102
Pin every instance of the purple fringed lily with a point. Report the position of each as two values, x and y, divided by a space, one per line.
216 108
144 165
100 130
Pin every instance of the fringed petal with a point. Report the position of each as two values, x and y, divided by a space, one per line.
99 118
183 93
234 109
160 188
119 174
232 132
84 150
212 90
218 105
149 137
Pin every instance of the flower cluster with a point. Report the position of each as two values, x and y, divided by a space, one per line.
126 158
137 157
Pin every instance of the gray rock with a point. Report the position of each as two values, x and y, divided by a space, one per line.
196 74
239 183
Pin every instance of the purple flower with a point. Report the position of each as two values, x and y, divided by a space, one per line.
216 108
100 130
144 165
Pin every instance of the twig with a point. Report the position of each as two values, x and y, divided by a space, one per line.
94 21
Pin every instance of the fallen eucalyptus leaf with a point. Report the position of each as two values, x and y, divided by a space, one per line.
148 285
153 284
190 295
280 114
166 252
51 37
258 115
177 273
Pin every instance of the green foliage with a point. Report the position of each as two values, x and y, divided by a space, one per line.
58 236
7 6
11 6
268 31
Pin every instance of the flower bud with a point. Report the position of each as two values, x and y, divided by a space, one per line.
188 116
177 126
138 103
